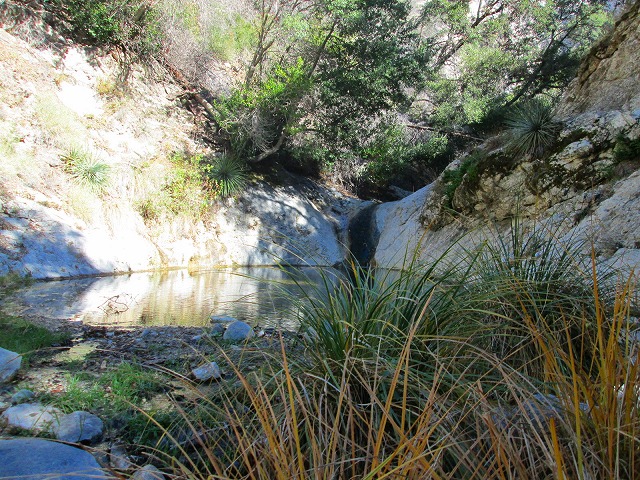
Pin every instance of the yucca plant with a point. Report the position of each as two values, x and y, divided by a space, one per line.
87 169
229 175
532 128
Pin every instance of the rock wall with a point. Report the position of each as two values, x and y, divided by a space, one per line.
585 189
58 97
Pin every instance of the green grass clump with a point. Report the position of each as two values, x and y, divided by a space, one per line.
229 175
87 170
510 361
532 128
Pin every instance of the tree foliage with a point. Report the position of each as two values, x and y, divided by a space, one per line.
494 53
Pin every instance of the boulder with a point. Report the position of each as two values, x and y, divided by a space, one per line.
238 331
36 458
9 364
79 427
207 371
33 417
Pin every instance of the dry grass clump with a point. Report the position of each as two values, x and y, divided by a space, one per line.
400 377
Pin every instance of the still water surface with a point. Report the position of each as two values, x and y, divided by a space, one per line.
260 296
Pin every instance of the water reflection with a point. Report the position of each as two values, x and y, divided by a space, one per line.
261 296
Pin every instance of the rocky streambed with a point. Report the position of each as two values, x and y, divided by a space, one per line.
163 368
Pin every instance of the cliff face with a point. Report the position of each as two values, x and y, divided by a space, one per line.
609 79
57 99
585 188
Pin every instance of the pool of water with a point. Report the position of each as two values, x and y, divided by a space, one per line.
260 296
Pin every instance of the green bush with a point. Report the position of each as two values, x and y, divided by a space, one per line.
626 149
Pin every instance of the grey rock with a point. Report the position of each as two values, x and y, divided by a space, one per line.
22 396
222 319
207 371
238 331
32 416
218 329
119 458
9 364
79 427
148 472
36 459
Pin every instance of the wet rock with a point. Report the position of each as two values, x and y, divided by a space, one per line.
238 331
9 364
148 472
119 458
208 371
218 329
22 396
79 427
32 416
35 458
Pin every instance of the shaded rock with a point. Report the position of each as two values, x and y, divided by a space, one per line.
119 458
79 427
148 472
35 458
207 371
33 417
22 396
238 331
218 329
9 364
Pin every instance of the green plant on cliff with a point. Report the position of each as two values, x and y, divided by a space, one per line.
532 128
229 175
86 169
452 178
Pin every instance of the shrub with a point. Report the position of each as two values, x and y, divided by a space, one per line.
87 169
532 128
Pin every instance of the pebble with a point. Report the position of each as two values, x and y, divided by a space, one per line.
22 396
207 371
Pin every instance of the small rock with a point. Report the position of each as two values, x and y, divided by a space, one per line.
33 458
9 364
32 416
196 338
110 334
22 396
119 458
217 329
4 406
208 371
79 427
148 472
238 331
222 319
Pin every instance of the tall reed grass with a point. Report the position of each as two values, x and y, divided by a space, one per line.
511 363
